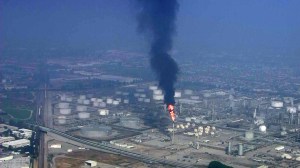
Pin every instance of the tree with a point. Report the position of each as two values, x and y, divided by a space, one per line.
216 164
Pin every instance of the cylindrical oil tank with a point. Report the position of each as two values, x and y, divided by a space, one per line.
103 112
82 97
126 101
140 90
84 115
69 99
291 109
143 95
86 102
158 97
276 104
262 128
99 100
116 102
65 111
81 108
63 105
177 94
188 92
102 104
109 101
195 97
157 92
96 131
125 93
95 104
240 149
152 87
61 119
249 135
63 97
80 101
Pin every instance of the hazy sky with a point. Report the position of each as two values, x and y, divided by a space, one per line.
221 25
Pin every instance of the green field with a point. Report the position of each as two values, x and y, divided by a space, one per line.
18 113
16 110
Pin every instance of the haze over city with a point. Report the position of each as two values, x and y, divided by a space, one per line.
137 83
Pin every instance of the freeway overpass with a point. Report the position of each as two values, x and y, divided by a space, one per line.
106 147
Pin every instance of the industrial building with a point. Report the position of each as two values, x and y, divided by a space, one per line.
16 143
6 139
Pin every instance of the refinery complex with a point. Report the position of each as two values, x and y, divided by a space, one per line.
80 88
127 123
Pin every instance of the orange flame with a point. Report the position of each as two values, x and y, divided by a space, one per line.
171 112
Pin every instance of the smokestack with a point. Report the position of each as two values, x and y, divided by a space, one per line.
157 18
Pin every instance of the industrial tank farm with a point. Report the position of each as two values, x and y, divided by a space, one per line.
221 123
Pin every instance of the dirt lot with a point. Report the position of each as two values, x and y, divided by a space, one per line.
76 159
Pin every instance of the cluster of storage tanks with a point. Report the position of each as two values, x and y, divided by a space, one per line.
64 109
197 131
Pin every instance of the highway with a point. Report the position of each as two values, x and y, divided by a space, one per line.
106 147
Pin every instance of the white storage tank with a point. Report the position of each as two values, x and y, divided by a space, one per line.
86 102
81 108
109 101
195 97
103 112
116 102
65 111
177 94
188 92
140 90
69 99
152 87
249 135
263 128
61 120
292 110
157 92
158 97
125 93
102 104
63 105
99 100
80 101
83 97
96 104
63 97
188 119
276 104
84 115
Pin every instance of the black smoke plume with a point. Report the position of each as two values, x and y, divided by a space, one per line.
157 19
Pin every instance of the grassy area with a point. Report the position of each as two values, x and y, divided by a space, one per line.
17 113
17 110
